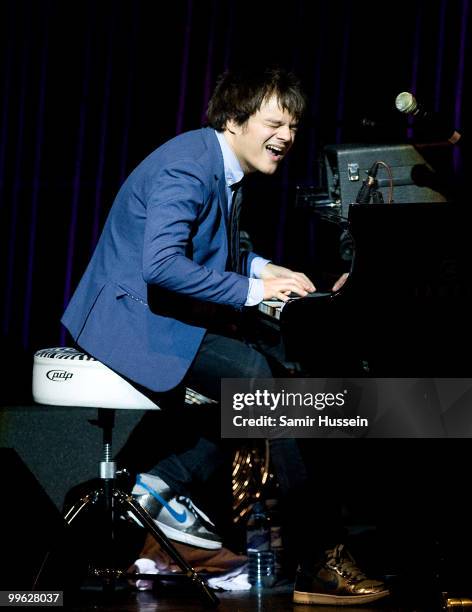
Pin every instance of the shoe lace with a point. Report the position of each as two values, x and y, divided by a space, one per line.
197 512
340 560
188 503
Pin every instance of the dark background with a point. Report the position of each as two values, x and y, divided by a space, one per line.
90 88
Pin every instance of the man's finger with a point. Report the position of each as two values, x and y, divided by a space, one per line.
306 282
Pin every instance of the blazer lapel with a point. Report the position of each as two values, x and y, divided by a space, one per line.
217 155
223 198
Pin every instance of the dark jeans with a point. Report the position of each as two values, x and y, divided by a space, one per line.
219 357
196 451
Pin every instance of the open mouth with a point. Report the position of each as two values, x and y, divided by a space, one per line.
275 152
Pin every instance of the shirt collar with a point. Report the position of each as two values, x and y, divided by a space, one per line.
233 170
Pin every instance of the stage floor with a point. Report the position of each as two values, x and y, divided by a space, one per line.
175 598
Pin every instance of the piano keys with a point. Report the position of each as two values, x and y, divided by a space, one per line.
273 308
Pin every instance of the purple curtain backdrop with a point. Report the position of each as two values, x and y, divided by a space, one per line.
90 88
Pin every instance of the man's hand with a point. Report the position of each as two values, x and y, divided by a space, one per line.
279 282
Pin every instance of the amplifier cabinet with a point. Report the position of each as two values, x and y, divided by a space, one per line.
414 179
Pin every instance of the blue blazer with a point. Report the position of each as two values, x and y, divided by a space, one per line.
167 229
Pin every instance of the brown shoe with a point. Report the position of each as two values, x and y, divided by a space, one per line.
337 581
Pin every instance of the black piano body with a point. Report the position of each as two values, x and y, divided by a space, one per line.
405 312
406 308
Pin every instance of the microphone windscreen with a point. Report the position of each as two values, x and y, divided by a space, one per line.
405 102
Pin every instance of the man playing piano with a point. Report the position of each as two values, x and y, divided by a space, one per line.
166 257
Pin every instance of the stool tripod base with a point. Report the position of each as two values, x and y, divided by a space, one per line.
145 518
119 503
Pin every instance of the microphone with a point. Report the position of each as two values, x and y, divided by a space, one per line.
406 103
363 197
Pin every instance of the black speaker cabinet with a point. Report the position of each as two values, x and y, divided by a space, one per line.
414 179
58 443
29 523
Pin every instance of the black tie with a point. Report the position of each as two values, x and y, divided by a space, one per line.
234 264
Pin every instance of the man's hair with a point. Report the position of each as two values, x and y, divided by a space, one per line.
238 95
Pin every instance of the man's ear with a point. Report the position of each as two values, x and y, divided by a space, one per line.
232 126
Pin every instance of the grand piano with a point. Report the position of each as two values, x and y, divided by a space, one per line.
405 309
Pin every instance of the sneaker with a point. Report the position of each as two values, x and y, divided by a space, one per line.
337 581
176 515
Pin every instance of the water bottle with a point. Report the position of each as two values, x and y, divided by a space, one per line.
260 556
276 541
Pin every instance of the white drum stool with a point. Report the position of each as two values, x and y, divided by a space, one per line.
67 377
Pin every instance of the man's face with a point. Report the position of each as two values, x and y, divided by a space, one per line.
263 141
